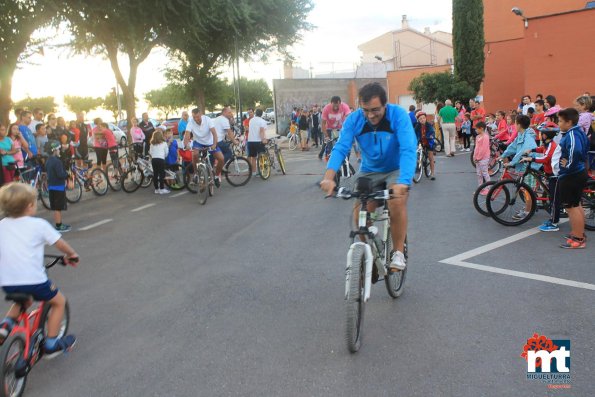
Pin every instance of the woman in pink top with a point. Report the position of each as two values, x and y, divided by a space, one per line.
585 118
138 136
15 135
481 153
112 145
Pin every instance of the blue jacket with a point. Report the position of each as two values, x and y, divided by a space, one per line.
522 143
29 137
56 173
574 146
430 133
390 145
172 153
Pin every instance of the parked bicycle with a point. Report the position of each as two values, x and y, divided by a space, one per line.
368 256
293 140
85 177
266 160
480 195
24 346
423 163
36 177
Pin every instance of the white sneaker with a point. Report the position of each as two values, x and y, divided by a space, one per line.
157 191
397 261
467 150
164 191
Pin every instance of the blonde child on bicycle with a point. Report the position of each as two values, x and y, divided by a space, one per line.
21 262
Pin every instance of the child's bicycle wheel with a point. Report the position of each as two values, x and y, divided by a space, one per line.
12 377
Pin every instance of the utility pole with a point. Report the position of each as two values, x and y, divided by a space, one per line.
239 81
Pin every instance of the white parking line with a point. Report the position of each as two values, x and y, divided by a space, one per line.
178 194
143 207
103 222
460 260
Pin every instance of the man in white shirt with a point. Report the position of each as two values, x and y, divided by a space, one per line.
204 136
527 104
37 119
256 137
223 129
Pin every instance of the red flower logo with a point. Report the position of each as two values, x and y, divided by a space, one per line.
537 343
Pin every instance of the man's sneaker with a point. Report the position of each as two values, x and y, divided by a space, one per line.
217 181
522 214
54 348
6 326
574 243
397 261
164 191
548 226
157 191
63 228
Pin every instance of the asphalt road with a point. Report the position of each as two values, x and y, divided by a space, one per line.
244 297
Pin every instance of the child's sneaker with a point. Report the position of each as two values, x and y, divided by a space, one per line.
574 243
56 346
157 191
6 326
63 228
164 191
548 226
520 215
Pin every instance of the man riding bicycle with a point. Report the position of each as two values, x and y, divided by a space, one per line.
388 146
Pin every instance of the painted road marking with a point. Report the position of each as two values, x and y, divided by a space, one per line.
103 222
178 194
460 260
143 207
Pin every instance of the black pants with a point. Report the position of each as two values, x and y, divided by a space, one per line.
148 136
555 205
158 173
315 135
466 141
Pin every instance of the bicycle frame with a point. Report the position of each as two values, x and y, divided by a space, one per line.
31 330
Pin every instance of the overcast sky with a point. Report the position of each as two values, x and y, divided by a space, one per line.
340 26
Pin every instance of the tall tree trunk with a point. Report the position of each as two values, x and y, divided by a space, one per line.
7 69
199 95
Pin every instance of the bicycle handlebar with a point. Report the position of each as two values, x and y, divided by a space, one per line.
59 259
347 194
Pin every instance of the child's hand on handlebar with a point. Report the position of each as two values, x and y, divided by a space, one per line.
72 260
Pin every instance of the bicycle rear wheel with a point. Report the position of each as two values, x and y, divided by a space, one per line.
293 142
514 205
177 182
114 177
479 199
99 182
394 281
238 171
74 190
264 165
132 179
588 204
202 184
494 166
355 274
11 359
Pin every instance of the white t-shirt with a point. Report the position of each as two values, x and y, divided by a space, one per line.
221 124
201 133
21 250
526 108
159 151
256 123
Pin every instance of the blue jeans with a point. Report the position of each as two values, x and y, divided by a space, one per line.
225 149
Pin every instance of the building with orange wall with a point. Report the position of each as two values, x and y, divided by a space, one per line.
398 83
546 50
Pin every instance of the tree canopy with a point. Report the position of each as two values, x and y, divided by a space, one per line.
47 104
78 104
468 41
168 99
434 87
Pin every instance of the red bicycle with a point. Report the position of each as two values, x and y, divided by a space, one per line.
23 348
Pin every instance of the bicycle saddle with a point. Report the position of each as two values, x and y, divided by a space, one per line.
19 298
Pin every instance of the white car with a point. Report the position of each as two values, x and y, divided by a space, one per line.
269 115
118 133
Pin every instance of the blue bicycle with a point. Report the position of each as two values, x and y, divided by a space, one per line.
36 177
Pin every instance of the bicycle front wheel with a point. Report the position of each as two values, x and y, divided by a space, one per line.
514 205
281 161
176 181
238 171
293 142
264 166
132 180
11 359
494 166
438 146
355 274
191 179
114 177
99 182
202 184
418 168
74 190
394 281
43 192
588 204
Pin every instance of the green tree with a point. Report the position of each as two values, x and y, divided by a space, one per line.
255 93
433 87
113 27
468 41
18 20
77 104
46 103
168 99
240 27
110 103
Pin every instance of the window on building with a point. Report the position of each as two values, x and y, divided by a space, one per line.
590 4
